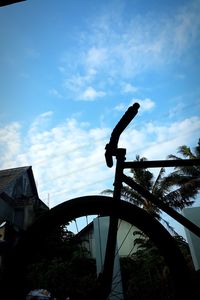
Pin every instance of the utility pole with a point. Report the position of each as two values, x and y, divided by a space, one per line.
48 200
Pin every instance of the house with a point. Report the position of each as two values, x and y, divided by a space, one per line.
193 214
93 239
92 236
19 203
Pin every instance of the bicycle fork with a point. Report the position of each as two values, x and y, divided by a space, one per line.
106 277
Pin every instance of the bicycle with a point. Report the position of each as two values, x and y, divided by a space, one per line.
116 209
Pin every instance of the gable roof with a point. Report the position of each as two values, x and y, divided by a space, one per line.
9 175
84 230
8 2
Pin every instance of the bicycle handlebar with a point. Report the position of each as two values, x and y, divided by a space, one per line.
111 147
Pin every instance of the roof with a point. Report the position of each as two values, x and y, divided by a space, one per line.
8 2
84 230
9 175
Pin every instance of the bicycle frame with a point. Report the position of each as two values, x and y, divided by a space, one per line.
145 193
120 178
20 255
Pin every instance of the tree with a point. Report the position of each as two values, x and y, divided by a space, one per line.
62 267
145 274
177 189
158 185
187 179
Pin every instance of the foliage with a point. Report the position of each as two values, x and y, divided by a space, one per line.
145 277
177 189
62 267
73 277
187 178
145 274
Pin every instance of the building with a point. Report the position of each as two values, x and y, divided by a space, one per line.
93 239
92 235
19 203
193 214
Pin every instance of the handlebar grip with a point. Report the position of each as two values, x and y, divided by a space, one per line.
109 156
111 147
126 119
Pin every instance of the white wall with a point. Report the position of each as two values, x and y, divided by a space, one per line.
193 214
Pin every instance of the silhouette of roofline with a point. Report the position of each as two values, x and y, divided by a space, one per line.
9 175
8 2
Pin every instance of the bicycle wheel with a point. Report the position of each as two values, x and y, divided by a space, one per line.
26 251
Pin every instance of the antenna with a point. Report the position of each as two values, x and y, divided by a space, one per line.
48 200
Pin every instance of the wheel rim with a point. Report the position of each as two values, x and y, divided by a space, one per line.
104 206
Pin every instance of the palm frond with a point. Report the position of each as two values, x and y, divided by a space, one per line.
132 196
186 152
107 192
169 227
156 184
127 194
142 176
197 150
140 240
140 233
180 198
172 156
193 171
178 189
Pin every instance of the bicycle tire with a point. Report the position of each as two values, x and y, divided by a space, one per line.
95 205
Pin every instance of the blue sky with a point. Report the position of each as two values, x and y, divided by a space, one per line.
68 71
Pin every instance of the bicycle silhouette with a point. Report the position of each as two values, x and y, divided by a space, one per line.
116 209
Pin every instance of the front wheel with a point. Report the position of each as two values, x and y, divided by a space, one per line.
86 251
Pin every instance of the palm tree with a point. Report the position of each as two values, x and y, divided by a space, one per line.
187 179
177 189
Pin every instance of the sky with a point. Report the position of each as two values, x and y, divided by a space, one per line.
70 69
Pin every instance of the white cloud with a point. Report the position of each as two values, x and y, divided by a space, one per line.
68 159
187 26
177 108
10 144
91 94
54 92
41 120
95 57
114 48
168 137
145 105
120 107
129 88
39 125
76 83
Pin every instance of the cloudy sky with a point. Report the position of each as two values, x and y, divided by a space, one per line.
69 70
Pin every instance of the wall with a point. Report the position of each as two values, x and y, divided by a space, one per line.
193 214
